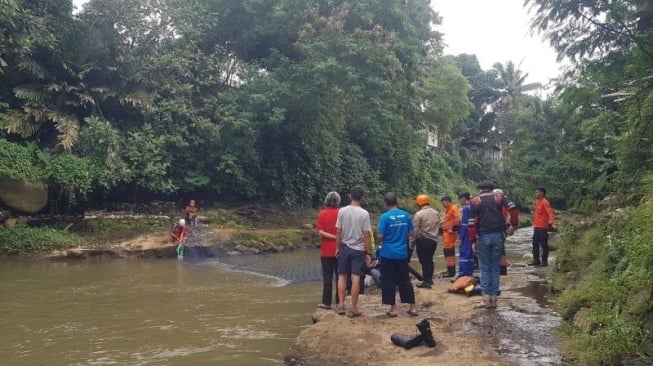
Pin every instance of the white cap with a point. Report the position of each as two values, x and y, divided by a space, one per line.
182 222
498 191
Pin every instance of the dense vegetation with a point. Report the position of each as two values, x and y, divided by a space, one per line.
286 100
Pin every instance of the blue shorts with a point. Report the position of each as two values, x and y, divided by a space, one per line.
351 261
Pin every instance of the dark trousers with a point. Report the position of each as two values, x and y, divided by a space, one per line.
425 250
395 275
329 270
540 238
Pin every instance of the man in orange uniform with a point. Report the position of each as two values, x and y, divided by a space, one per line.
450 226
543 221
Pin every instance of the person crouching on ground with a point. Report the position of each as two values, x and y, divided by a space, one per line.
353 247
326 229
426 223
395 230
179 232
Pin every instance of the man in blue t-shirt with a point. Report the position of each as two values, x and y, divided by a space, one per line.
395 228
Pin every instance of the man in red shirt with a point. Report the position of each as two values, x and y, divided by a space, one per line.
326 229
543 221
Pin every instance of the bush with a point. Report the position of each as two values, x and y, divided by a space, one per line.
18 161
604 275
20 239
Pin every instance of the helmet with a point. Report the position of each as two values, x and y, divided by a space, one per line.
498 191
182 222
422 200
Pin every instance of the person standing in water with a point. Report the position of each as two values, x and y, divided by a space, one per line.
191 213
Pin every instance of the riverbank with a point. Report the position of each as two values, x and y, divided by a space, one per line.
464 335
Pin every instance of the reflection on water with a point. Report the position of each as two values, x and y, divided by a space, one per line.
143 312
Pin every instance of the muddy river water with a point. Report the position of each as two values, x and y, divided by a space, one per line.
232 311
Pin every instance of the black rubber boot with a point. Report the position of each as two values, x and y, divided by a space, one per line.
425 330
407 341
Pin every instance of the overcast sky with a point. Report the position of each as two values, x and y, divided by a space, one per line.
493 30
496 31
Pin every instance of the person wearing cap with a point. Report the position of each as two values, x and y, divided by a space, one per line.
179 232
543 221
487 233
450 226
465 252
426 223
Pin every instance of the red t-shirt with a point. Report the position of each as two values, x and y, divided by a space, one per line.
326 221
178 229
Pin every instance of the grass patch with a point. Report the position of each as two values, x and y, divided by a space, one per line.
22 239
114 230
606 289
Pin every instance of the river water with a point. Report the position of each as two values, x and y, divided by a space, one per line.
147 312
234 311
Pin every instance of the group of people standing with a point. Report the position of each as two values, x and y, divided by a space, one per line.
481 227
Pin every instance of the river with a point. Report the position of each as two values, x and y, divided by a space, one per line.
147 312
236 311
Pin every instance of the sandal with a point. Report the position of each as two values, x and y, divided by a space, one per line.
353 314
325 307
341 311
412 313
391 314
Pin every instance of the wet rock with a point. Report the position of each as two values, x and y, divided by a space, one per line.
23 195
244 249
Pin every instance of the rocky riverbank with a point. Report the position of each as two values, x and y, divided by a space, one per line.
518 332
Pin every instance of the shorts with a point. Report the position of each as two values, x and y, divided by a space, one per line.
351 261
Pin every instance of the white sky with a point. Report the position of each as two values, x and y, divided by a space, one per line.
496 31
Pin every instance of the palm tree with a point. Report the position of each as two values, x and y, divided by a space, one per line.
512 86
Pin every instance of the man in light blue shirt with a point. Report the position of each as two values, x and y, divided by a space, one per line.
395 229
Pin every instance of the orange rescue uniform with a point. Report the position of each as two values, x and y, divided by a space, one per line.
450 223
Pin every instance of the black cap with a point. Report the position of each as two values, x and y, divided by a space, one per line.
486 185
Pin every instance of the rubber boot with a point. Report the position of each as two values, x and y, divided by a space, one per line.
406 340
488 302
450 273
493 302
425 330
